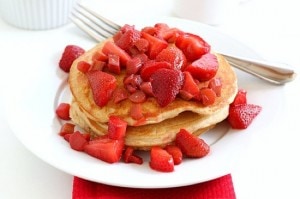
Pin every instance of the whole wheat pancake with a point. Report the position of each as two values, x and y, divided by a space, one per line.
82 94
158 134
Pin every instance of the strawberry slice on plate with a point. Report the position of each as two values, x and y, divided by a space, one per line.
241 115
191 145
156 45
105 149
161 160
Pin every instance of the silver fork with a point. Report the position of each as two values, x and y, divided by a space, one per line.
101 28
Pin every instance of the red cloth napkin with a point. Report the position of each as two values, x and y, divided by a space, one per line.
220 188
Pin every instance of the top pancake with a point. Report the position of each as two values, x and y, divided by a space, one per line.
82 94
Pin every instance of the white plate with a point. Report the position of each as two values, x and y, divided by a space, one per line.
41 86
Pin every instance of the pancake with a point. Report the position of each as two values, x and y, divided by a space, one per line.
158 134
154 113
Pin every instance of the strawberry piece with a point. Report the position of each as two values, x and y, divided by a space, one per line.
142 45
77 141
130 157
105 149
102 85
156 45
151 66
119 95
63 111
132 82
137 97
114 63
161 160
111 48
216 85
116 128
204 68
207 96
128 37
189 88
66 128
241 115
191 145
176 153
71 52
136 112
174 56
83 66
166 84
192 46
146 87
133 65
240 98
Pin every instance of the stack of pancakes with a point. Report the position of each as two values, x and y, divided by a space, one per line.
161 123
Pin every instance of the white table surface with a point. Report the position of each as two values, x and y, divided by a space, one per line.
269 169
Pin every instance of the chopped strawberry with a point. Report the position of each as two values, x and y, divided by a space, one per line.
102 85
216 85
67 136
166 84
137 97
83 66
241 115
151 66
142 45
132 82
71 52
128 38
130 157
113 64
156 45
172 55
98 65
207 96
189 87
116 128
146 87
99 56
133 65
111 48
63 111
192 46
119 95
191 145
176 153
161 160
136 112
66 128
204 68
77 141
105 149
240 98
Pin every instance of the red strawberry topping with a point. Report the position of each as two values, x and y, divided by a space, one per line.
241 115
62 111
204 68
166 84
174 56
192 46
105 149
102 85
191 145
161 160
70 53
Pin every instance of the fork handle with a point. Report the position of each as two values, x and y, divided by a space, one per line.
264 70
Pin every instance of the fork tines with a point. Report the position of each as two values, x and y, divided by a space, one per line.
95 25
